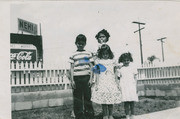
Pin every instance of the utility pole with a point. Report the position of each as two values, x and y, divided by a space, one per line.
139 30
40 28
161 39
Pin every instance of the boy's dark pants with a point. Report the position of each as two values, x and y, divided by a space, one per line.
83 108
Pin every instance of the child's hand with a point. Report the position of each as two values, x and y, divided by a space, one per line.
120 75
96 87
73 85
90 83
119 66
119 87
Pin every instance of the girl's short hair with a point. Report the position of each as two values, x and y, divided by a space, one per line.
80 37
105 32
104 48
125 56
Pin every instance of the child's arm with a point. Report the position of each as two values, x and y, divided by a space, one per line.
135 78
96 81
72 76
119 66
116 77
91 75
115 72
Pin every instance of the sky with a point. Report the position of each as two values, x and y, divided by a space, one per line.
62 21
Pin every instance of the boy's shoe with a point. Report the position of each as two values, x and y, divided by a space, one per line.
105 117
72 114
111 117
127 117
132 117
81 116
89 115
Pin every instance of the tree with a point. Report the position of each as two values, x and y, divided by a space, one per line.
152 58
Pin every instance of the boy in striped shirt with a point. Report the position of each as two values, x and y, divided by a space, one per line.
81 79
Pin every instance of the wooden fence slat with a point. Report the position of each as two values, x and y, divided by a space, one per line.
36 81
56 76
22 77
26 78
13 78
31 78
17 65
26 65
60 78
17 78
21 65
35 65
43 77
48 77
40 77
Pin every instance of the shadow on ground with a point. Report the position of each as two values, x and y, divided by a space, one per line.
144 106
115 117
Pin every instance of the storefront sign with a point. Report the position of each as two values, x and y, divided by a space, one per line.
20 52
26 26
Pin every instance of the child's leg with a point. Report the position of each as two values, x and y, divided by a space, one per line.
126 108
105 111
89 112
72 113
77 98
110 109
132 107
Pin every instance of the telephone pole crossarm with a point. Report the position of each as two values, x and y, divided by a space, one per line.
138 23
139 30
161 39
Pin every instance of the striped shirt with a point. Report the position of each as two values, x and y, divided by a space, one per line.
81 61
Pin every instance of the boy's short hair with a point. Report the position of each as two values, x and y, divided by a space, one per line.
80 37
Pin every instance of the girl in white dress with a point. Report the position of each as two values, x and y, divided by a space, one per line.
126 73
105 90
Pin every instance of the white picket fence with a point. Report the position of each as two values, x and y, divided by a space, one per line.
161 73
30 74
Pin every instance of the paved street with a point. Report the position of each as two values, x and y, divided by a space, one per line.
165 114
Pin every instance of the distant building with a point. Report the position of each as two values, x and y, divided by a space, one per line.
26 47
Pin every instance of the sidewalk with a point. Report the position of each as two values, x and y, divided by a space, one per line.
165 114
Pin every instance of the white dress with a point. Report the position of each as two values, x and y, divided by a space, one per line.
128 83
108 92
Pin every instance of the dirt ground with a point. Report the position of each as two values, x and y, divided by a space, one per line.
145 105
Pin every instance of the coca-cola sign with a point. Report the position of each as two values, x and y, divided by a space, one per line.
23 55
